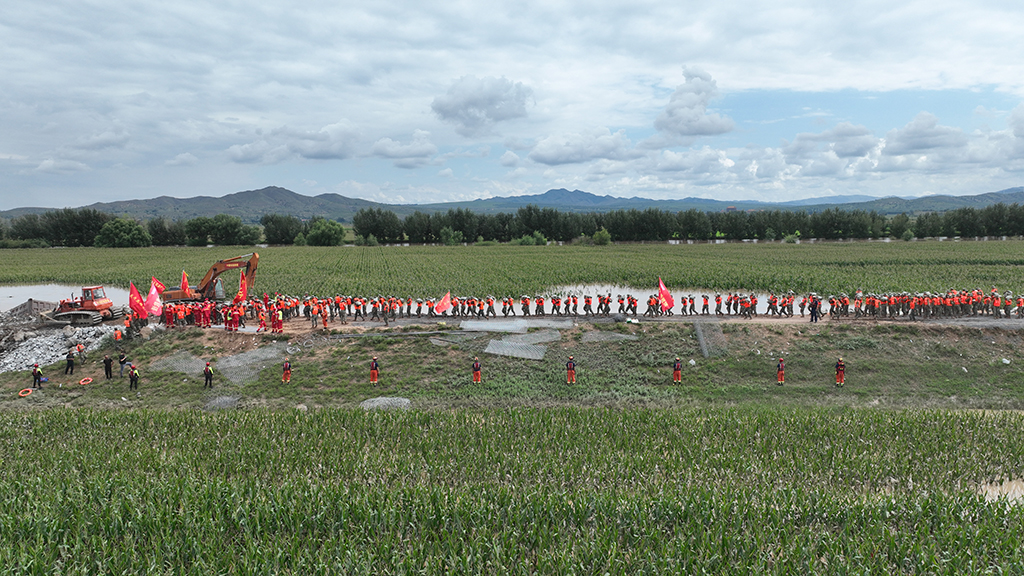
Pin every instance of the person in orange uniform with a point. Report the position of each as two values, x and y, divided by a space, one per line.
287 376
677 371
781 370
476 369
570 371
374 370
840 373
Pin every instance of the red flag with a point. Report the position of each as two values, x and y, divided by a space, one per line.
153 304
445 303
664 296
135 301
184 282
159 285
243 290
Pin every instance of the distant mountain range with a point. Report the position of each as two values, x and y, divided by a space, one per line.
251 205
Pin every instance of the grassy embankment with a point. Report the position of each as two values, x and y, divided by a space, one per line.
889 365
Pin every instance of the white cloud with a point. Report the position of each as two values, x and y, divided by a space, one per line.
114 138
333 142
58 166
579 147
923 134
446 173
474 105
509 159
184 159
412 155
686 115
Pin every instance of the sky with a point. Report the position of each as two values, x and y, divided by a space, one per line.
404 101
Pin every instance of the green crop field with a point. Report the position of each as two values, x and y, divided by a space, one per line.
560 491
512 270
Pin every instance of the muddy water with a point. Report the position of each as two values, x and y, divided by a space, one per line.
641 294
11 296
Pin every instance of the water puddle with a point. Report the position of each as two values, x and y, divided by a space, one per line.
641 294
1011 490
11 296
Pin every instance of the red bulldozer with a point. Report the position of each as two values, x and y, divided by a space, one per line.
91 308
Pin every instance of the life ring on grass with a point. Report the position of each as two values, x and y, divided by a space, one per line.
25 392
85 381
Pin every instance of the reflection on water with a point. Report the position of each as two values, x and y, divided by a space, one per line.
11 296
643 294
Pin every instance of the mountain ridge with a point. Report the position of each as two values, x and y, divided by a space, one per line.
251 205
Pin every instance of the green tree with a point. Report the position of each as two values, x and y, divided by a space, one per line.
166 233
325 233
382 224
899 224
71 227
27 227
198 231
602 237
450 237
419 228
123 233
280 229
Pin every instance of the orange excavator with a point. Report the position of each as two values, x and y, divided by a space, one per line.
210 288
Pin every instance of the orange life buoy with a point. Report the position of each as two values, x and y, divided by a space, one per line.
85 381
25 392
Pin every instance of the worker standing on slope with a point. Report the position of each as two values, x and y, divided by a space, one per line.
108 366
37 377
677 371
374 370
781 371
286 377
840 373
570 371
476 370
133 378
208 376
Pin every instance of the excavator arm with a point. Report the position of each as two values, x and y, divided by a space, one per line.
247 261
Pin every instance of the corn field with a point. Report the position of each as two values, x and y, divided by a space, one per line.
513 491
423 271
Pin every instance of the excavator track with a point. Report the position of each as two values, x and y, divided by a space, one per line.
78 318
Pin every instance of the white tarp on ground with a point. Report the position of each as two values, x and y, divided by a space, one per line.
534 337
596 336
514 326
516 350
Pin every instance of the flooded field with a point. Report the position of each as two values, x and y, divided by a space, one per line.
642 294
11 296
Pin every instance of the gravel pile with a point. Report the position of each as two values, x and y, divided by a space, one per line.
47 347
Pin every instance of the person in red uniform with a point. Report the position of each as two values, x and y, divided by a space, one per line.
374 370
840 373
287 376
677 371
570 371
476 369
781 369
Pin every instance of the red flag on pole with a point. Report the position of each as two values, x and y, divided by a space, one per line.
243 290
444 304
664 296
184 282
159 285
135 301
153 304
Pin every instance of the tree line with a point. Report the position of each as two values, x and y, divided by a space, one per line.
528 225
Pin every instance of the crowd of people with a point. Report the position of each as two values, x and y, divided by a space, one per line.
271 312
